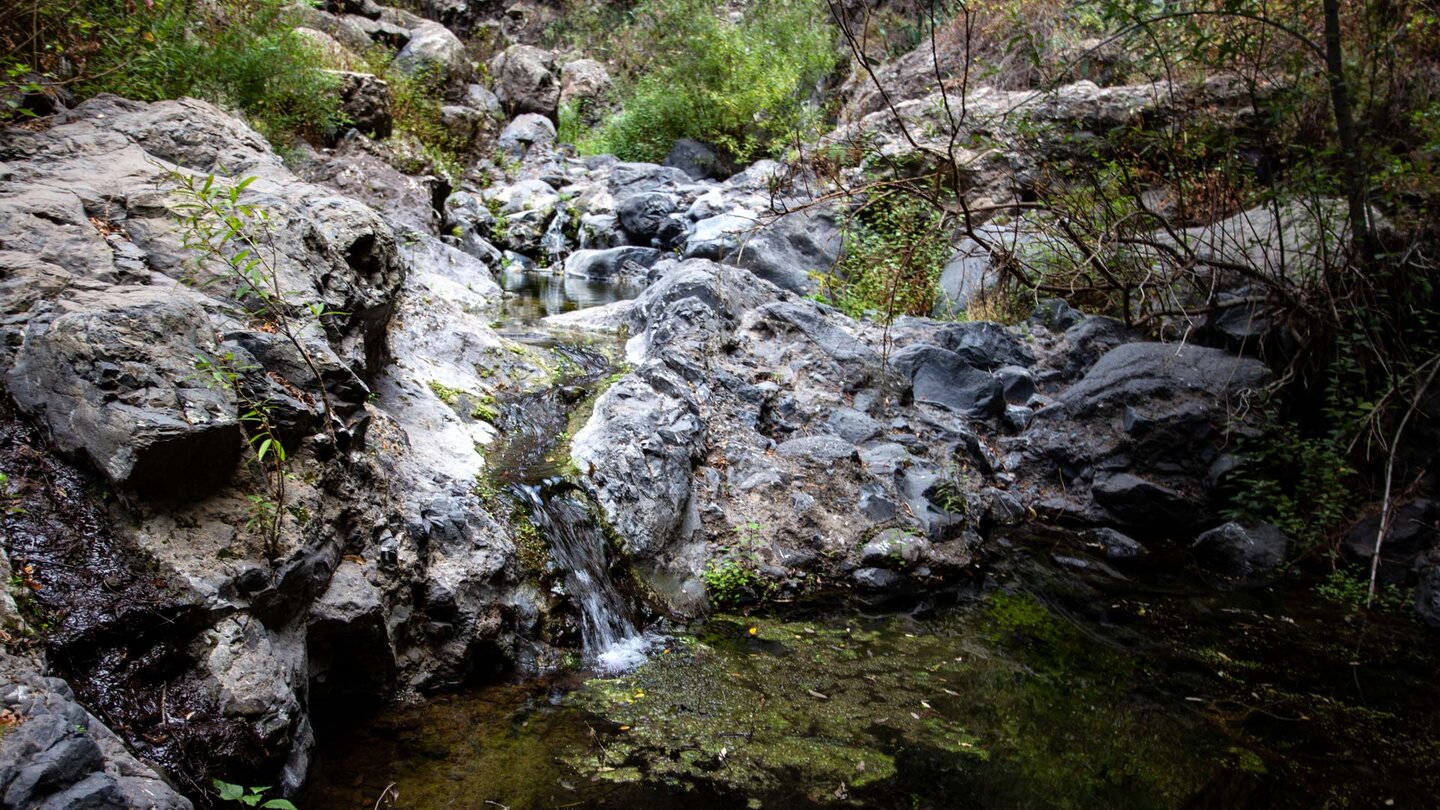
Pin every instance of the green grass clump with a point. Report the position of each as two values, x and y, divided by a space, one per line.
742 86
243 54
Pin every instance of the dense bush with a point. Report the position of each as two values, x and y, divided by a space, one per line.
239 53
895 249
741 85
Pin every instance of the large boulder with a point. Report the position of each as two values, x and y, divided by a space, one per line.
584 86
365 101
1241 550
649 219
526 80
789 251
113 375
60 756
526 134
1131 443
941 377
436 55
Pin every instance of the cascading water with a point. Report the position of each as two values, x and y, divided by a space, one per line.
609 636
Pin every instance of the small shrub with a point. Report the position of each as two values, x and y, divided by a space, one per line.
742 86
1302 484
895 248
729 582
239 53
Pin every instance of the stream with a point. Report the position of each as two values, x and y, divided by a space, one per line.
1054 680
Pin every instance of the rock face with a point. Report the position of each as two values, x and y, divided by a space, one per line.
105 316
365 100
526 81
113 375
1132 441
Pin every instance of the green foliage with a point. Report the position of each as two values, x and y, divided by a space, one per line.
729 582
1351 588
249 797
421 140
234 236
239 53
1302 484
742 86
895 248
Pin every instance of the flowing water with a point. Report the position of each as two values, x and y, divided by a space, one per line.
528 465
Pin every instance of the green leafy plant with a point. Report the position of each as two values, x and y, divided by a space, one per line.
250 797
729 582
742 86
239 53
1348 588
895 248
234 236
1302 484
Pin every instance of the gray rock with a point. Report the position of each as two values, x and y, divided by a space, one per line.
1138 371
382 32
878 579
584 86
348 646
1414 530
1135 501
649 219
611 263
986 345
481 98
1427 594
527 134
365 101
435 54
894 548
526 81
695 159
941 377
1241 550
1114 545
853 426
1017 382
112 374
824 450
786 251
462 125
1056 315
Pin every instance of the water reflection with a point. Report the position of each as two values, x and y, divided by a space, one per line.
538 293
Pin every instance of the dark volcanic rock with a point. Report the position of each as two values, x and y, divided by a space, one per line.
1240 550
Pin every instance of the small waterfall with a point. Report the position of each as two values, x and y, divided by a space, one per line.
610 638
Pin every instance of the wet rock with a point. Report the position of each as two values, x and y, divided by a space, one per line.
878 579
525 81
1115 545
1241 550
1135 501
348 644
894 548
611 263
1017 382
433 53
59 756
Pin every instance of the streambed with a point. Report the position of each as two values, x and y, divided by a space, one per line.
1049 690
